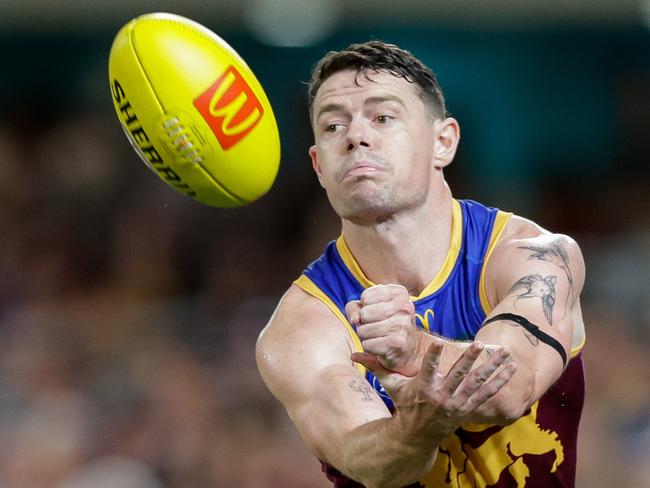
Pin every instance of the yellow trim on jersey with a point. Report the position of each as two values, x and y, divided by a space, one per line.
351 263
310 287
576 350
452 253
500 222
445 270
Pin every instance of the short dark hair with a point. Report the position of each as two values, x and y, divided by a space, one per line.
379 56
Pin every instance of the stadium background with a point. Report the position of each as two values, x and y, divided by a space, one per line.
128 313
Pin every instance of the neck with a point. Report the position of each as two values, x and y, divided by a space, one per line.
408 248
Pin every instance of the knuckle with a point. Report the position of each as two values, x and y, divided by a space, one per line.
352 310
457 405
407 325
372 294
399 349
465 409
480 377
370 348
362 314
439 398
384 309
404 335
367 294
405 308
488 391
399 327
458 374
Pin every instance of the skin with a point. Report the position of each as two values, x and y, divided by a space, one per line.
379 154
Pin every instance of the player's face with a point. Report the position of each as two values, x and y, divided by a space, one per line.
374 144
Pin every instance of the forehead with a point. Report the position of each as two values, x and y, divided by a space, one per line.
364 84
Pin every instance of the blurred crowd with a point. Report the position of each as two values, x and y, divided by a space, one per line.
129 313
128 316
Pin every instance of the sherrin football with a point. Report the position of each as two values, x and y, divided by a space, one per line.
193 110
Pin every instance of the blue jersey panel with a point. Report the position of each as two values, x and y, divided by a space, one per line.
453 310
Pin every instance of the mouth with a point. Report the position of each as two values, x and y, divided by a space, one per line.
361 168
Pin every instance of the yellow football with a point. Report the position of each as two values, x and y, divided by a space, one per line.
193 110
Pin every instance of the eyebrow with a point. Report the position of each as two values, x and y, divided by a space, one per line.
385 98
330 107
337 107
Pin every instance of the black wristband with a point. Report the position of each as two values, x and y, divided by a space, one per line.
533 329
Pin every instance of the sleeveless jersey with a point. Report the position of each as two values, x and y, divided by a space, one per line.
538 449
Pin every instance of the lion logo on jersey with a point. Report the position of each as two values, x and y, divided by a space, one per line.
481 456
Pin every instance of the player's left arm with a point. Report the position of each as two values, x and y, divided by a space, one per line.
534 279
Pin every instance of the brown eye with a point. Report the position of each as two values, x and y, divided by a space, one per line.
382 119
332 128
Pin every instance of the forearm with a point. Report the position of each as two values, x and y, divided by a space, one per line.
509 403
384 453
398 450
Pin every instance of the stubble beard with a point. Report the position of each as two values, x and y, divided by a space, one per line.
370 207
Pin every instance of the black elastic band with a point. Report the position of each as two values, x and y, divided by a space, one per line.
533 329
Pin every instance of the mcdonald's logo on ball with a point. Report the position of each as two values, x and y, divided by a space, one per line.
193 110
230 108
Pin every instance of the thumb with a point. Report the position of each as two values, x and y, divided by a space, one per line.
370 362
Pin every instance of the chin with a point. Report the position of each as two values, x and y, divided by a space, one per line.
360 210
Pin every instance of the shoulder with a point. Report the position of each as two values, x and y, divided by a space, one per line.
525 247
302 339
301 316
522 232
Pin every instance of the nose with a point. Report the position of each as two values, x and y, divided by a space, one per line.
357 135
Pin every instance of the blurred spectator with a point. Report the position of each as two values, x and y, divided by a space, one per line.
128 313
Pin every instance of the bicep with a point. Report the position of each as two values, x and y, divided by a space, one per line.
304 358
538 281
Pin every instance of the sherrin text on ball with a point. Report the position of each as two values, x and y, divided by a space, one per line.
193 110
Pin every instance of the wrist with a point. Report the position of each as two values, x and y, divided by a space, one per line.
410 428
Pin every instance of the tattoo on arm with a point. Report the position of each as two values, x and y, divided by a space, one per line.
534 341
362 388
539 286
553 253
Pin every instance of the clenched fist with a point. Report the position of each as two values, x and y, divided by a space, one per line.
385 321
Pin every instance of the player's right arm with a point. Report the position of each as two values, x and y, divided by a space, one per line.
304 358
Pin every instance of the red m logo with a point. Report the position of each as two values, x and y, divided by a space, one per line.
230 108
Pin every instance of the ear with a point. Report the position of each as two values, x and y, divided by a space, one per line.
447 136
313 154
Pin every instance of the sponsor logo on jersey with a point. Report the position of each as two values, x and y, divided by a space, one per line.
425 320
